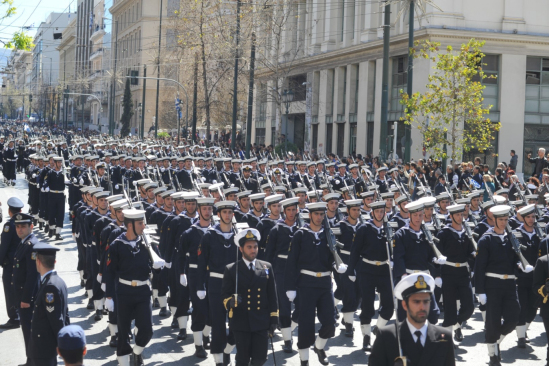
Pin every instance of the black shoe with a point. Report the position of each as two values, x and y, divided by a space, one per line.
200 352
304 363
182 335
155 303
366 343
287 347
499 352
114 341
175 324
98 315
349 330
494 361
164 312
47 228
10 324
41 226
58 237
226 359
522 343
105 311
137 360
50 234
206 342
90 305
82 283
374 330
321 356
458 335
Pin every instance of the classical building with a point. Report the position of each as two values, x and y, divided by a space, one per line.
336 74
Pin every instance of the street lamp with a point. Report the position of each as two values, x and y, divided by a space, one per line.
287 98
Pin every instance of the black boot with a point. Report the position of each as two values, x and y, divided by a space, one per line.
200 352
98 315
206 342
349 330
522 343
175 324
90 305
226 359
105 311
82 283
50 234
155 303
47 228
164 312
494 361
182 335
458 335
40 225
366 343
287 347
322 356
304 363
114 341
499 352
58 237
138 360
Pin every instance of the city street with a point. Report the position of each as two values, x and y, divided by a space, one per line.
164 348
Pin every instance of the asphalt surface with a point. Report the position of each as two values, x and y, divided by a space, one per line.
164 349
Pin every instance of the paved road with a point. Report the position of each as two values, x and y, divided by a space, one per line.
164 348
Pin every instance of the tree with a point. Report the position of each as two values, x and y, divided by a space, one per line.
451 113
127 112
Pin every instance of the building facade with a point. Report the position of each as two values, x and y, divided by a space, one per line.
336 75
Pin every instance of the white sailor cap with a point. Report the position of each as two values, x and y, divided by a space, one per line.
377 204
312 194
331 196
499 200
387 195
275 198
527 210
236 161
221 205
531 197
230 190
204 185
502 191
246 235
353 203
300 190
265 186
367 194
152 185
57 158
414 283
243 194
95 190
428 202
205 201
141 182
257 197
190 196
289 202
500 210
352 166
262 162
414 206
119 204
159 190
116 197
464 201
400 199
317 206
457 208
280 189
486 205
167 193
133 214
443 196
383 168
177 196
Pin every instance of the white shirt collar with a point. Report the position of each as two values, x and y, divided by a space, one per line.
423 331
248 263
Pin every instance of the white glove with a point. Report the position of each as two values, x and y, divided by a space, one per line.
337 181
81 181
99 277
214 181
43 189
77 235
201 294
135 183
440 260
34 175
291 295
352 278
162 169
116 186
392 264
74 180
104 287
472 274
342 268
47 189
183 280
73 236
438 282
109 304
482 298
168 265
159 263
528 268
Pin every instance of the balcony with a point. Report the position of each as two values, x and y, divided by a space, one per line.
96 74
96 53
98 32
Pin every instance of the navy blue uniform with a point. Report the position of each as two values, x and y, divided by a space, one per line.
350 289
56 199
526 294
264 227
8 246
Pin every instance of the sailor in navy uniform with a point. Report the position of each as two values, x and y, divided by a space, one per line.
51 308
402 217
454 273
25 277
55 187
526 293
381 180
10 160
215 252
130 263
249 294
157 204
268 221
495 273
9 241
308 270
421 342
276 252
370 262
339 180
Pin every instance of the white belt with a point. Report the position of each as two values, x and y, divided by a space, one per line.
376 263
93 243
417 271
215 274
284 256
188 254
500 276
134 283
33 183
457 265
346 252
193 265
11 159
315 274
56 191
98 261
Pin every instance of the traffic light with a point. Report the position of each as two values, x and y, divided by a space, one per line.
30 97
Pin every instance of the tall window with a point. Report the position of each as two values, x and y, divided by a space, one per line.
340 138
315 136
537 90
352 139
399 81
342 21
370 138
344 90
329 131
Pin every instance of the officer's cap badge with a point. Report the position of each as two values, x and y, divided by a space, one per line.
19 217
249 235
420 283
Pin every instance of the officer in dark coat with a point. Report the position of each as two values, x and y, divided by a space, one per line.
422 343
51 310
8 246
249 295
540 287
250 183
10 159
25 277
54 185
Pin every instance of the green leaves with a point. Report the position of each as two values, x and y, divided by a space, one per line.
450 114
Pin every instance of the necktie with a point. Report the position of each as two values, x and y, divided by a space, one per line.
418 335
251 267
